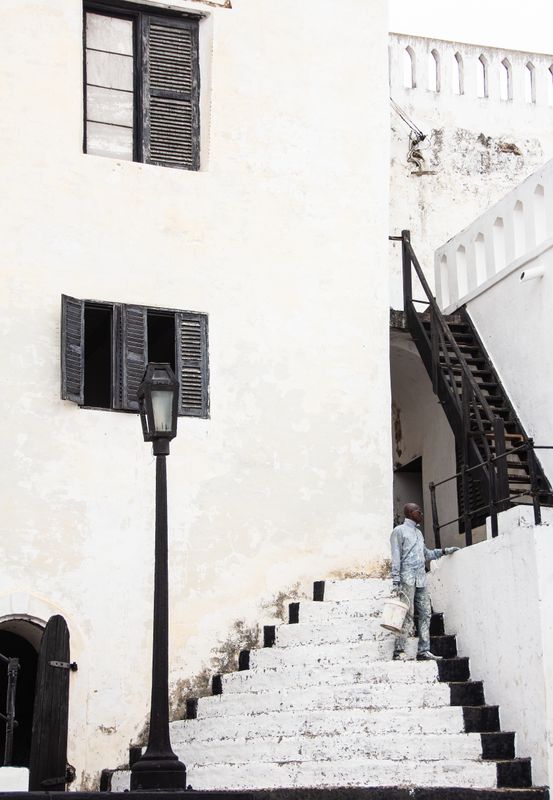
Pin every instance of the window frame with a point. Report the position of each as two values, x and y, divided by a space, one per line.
138 13
119 375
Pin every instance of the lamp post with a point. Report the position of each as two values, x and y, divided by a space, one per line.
159 768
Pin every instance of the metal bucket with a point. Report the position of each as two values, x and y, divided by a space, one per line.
394 612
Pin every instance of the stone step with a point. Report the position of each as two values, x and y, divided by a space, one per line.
341 630
343 773
365 695
328 655
120 783
353 589
347 673
431 747
329 722
327 611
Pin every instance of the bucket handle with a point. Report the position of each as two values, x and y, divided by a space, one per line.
402 594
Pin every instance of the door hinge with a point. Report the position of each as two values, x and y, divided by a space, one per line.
64 665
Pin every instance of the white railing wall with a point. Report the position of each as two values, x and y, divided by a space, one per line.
470 72
509 235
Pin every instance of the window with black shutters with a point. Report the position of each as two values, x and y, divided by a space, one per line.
105 348
141 84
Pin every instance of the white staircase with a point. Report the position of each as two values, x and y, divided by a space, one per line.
326 706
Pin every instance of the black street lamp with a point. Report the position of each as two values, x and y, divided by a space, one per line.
159 768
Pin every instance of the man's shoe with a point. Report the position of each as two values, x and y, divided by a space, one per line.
399 655
428 656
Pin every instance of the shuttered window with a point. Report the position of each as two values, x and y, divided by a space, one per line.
137 334
142 85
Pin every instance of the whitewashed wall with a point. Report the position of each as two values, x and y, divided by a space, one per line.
497 597
279 238
420 429
512 316
477 148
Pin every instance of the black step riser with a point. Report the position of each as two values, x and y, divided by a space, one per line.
319 591
481 719
444 646
376 793
192 708
244 660
497 746
269 635
453 669
293 613
470 693
217 684
437 625
514 774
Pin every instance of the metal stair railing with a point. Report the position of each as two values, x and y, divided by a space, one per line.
472 420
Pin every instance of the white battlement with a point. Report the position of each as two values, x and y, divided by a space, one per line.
511 234
469 72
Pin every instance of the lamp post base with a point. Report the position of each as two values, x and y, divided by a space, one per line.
160 774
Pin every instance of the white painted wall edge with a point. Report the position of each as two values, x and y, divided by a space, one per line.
518 263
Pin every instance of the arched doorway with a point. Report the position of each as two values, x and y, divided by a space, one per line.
20 638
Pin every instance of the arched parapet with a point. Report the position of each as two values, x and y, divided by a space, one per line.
471 72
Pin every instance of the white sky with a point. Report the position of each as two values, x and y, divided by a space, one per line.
523 25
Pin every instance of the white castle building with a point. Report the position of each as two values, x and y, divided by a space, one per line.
208 183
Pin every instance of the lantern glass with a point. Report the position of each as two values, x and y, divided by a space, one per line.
162 407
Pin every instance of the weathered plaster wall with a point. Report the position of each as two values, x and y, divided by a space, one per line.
512 316
420 429
497 597
477 148
279 239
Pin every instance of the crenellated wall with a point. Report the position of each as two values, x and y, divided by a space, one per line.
488 124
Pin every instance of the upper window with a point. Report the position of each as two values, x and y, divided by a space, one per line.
105 348
141 76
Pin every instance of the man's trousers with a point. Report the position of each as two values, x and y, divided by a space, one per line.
419 600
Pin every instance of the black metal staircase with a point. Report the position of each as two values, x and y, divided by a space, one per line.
496 463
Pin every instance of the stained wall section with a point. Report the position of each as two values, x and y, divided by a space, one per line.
279 238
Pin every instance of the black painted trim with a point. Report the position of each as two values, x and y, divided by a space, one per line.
243 660
444 646
293 613
481 719
514 774
357 793
437 625
318 591
454 669
217 684
269 635
499 745
467 693
192 708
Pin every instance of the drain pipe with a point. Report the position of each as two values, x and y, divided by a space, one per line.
532 273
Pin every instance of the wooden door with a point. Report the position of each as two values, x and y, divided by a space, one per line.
48 763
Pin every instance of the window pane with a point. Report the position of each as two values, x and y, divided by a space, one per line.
109 140
109 105
109 33
109 70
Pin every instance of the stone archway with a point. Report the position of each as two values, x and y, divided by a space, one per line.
20 638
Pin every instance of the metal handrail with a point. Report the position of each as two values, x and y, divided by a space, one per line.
495 501
469 409
406 242
12 665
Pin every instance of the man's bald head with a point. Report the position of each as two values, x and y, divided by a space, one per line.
413 511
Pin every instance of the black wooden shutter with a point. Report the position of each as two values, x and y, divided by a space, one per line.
72 349
192 364
48 760
117 356
170 99
134 351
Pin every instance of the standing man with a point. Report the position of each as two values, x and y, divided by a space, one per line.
409 554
